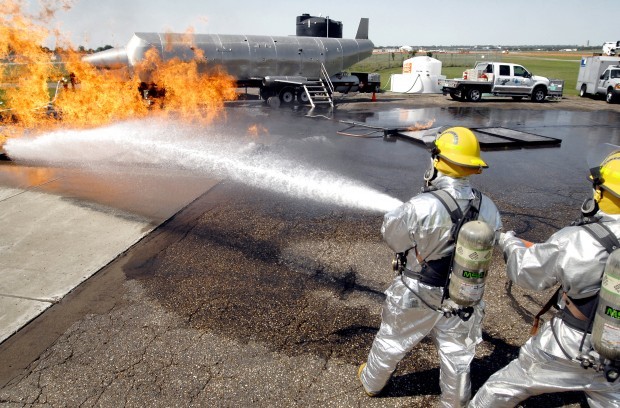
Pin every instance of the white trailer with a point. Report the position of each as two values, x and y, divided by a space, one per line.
597 76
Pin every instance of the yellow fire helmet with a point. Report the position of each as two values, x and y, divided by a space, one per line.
610 173
610 182
460 151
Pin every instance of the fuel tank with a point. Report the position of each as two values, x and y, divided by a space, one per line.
246 57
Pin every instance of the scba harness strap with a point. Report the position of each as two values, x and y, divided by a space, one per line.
603 235
579 313
436 272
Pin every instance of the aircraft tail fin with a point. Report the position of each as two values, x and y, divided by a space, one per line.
362 30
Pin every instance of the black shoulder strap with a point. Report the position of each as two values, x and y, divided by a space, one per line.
453 208
474 210
458 219
606 238
450 204
603 235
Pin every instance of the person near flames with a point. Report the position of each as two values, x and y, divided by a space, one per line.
561 355
421 232
71 81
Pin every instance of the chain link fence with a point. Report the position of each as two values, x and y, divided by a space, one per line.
388 60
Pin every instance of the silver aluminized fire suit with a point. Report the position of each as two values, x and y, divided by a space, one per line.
410 310
573 258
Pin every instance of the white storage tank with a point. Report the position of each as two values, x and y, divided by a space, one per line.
420 75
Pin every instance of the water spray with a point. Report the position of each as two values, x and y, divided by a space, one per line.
168 144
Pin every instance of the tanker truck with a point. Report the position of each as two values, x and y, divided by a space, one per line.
307 67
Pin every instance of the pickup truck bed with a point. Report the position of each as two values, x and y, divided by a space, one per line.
461 90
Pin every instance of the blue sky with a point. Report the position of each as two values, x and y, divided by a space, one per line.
95 23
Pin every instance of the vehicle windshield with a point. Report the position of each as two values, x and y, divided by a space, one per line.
520 71
615 73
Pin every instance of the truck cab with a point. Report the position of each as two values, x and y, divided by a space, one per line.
513 79
609 84
599 75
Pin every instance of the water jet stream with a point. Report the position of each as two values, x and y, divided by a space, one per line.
174 145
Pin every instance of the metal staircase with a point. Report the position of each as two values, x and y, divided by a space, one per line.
320 91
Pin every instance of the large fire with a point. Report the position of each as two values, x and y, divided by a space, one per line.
38 93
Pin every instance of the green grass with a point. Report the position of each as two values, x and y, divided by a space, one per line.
552 66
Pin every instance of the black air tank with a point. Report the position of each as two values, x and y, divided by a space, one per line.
309 26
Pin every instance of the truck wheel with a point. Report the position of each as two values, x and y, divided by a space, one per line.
474 95
583 90
265 93
273 102
539 94
455 96
287 95
302 97
610 97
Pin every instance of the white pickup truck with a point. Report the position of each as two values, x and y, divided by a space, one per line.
500 79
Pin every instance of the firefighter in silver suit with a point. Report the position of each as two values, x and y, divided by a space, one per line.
553 360
416 305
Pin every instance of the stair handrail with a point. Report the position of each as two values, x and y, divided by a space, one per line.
308 95
325 76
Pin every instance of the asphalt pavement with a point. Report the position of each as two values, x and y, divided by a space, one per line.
189 286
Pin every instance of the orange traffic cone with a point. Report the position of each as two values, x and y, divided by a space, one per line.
374 97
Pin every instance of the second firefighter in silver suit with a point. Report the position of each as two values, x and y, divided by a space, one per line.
551 361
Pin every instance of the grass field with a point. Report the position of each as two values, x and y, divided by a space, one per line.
553 65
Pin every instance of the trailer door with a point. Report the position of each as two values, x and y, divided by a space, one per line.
235 55
311 54
263 56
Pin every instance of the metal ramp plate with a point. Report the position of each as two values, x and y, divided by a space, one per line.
489 137
357 129
505 137
415 133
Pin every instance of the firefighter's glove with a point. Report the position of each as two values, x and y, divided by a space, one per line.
504 239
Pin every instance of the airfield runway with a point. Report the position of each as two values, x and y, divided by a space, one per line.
246 277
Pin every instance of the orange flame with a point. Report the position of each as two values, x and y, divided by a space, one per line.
31 176
27 66
92 97
189 93
257 130
421 125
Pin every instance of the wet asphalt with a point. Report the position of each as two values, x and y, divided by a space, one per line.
253 297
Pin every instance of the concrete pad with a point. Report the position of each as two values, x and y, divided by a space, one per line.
6 193
16 312
49 245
